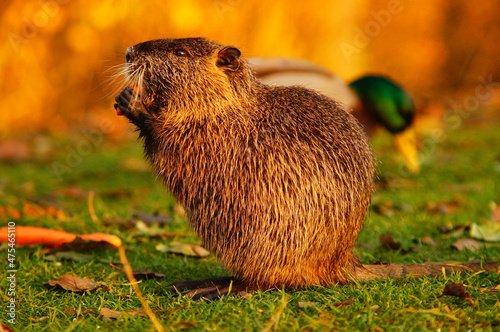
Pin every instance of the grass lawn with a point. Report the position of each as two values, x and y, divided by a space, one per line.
459 181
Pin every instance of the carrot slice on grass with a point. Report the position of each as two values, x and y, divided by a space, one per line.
28 235
98 237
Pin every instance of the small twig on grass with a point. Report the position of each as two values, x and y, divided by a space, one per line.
91 207
137 290
116 267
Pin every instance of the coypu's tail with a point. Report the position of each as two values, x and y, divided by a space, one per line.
371 272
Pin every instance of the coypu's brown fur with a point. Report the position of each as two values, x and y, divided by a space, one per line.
276 180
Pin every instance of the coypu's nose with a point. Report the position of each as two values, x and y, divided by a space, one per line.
129 53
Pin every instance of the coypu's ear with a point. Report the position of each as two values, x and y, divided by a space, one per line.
229 58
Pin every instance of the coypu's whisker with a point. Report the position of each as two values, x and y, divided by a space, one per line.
115 78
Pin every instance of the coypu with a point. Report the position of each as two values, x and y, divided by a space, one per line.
276 181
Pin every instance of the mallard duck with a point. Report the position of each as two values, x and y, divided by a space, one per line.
376 101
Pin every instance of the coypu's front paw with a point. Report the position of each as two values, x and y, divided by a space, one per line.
128 105
123 102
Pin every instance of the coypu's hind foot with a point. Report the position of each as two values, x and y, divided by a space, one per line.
211 289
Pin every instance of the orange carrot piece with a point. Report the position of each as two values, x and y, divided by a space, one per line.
136 89
28 235
97 237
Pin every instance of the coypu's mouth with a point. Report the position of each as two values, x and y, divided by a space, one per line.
134 77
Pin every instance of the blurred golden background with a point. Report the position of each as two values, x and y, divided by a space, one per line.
56 54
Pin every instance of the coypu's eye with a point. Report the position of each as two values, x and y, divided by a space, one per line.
181 52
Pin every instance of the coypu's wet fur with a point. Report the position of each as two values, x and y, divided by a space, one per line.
276 180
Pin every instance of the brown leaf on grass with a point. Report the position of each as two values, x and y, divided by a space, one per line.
185 249
9 212
455 289
39 319
445 207
14 150
495 211
117 193
107 313
387 241
384 208
79 311
74 284
152 230
146 275
31 210
429 241
466 243
454 230
34 210
75 192
347 302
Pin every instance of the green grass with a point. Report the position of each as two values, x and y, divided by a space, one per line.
464 167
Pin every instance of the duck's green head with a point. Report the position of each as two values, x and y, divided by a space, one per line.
387 102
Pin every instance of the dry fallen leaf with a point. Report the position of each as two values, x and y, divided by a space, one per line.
31 210
487 231
75 192
455 289
79 311
14 150
384 208
466 243
495 211
452 231
34 210
75 284
387 241
186 249
40 319
429 241
9 212
445 207
107 313
117 193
